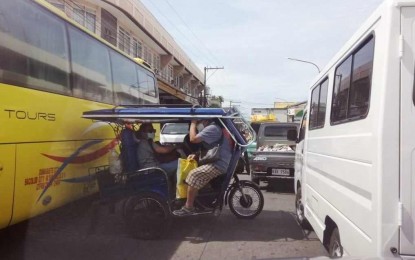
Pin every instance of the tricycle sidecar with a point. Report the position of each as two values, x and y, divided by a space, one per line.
148 196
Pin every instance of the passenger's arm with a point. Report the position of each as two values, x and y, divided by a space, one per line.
162 149
193 133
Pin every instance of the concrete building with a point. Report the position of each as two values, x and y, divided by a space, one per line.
281 112
128 25
295 112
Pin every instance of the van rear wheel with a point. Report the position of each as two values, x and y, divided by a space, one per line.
335 247
299 210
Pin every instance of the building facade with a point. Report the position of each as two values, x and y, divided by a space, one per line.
128 25
281 112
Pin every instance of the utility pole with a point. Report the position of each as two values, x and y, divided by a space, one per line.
233 102
204 82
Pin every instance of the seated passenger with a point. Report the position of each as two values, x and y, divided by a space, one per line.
147 151
129 148
209 133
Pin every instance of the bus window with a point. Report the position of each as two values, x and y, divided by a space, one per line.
125 80
90 67
142 79
151 85
26 59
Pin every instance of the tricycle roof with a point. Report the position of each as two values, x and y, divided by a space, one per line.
160 114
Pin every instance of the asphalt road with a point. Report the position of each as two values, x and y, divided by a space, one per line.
75 232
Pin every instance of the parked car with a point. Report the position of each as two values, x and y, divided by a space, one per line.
172 133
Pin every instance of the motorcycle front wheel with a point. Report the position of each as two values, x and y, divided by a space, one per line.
246 201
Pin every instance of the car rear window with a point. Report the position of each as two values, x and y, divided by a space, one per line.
278 132
175 129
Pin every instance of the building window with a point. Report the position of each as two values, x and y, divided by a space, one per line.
84 17
157 64
318 105
58 4
137 48
352 83
170 74
124 40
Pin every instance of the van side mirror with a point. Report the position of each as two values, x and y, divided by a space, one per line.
292 135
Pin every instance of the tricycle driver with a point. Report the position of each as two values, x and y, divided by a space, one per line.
205 132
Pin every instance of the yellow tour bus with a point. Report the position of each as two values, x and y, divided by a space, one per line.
52 70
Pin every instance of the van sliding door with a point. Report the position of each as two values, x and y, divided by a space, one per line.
407 142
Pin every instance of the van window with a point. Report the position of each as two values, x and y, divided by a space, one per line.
318 105
303 129
352 83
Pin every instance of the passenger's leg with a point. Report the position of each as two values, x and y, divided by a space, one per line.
196 179
191 195
170 168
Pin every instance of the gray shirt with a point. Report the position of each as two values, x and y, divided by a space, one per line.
211 134
145 155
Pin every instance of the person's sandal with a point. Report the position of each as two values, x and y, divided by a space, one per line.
184 211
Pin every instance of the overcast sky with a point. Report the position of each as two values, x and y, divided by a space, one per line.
252 40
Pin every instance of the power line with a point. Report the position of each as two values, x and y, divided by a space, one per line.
252 103
172 24
197 38
203 57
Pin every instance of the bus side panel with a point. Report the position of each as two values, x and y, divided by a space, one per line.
69 167
7 171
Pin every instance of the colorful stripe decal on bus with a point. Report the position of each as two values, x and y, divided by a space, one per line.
87 157
82 179
67 161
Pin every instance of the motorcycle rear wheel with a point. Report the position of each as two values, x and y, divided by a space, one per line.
147 216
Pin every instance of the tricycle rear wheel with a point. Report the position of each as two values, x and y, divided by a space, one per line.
147 216
246 201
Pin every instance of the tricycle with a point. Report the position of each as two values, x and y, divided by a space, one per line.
148 196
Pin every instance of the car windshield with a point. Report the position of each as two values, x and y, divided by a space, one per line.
177 128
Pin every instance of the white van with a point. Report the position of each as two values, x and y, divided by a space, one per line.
355 168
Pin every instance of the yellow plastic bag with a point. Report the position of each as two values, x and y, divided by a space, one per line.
183 168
